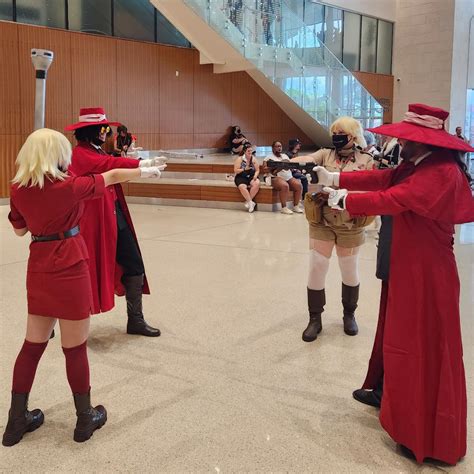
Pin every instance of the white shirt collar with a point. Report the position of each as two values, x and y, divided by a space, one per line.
421 158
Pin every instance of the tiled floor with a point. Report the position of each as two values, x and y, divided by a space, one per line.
229 386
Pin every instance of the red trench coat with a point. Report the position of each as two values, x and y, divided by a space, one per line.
424 403
99 226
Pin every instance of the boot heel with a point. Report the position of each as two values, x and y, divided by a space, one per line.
89 419
80 436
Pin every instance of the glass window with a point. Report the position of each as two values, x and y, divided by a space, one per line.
41 12
351 44
166 33
368 46
333 31
90 16
6 10
134 19
314 21
384 47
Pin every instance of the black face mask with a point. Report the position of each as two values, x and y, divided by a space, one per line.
340 141
97 141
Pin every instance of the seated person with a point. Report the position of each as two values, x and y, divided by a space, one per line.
390 154
237 140
283 181
246 169
123 141
294 146
371 143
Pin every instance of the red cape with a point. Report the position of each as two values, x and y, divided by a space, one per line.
99 226
424 395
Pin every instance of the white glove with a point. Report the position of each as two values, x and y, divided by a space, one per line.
325 177
335 197
156 161
152 171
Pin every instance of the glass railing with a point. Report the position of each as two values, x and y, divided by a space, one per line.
270 35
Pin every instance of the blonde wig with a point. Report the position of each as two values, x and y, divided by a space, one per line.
352 127
45 152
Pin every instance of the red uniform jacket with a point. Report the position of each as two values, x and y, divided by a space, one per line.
424 392
99 226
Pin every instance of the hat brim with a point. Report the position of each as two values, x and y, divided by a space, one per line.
77 125
420 134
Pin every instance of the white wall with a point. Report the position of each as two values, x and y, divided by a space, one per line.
464 12
385 9
422 59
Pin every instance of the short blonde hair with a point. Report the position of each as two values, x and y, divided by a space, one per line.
352 127
45 152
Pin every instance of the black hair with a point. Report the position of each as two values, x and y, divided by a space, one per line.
457 157
87 134
275 142
122 128
245 147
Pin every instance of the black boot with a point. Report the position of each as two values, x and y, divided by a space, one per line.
350 297
136 322
368 397
89 419
316 302
20 420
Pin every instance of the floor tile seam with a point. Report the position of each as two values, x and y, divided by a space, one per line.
13 263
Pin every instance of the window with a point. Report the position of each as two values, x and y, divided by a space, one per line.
368 46
333 31
314 21
166 33
134 19
384 47
42 12
90 16
351 43
6 10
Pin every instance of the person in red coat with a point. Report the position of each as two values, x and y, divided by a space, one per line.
48 202
418 346
116 264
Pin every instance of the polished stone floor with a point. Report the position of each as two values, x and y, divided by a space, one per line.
229 386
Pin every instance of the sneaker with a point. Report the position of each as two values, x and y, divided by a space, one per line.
252 206
286 211
247 204
298 209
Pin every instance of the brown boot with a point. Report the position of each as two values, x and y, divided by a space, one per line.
316 302
89 419
20 420
350 297
133 293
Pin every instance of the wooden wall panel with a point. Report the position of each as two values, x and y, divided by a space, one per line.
176 90
94 74
174 141
10 110
245 109
59 112
138 86
11 145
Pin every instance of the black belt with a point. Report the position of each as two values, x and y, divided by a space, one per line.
60 236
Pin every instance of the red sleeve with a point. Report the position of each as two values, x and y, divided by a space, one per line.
16 219
373 180
85 162
435 191
88 187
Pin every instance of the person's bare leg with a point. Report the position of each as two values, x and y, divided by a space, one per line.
295 186
244 191
282 187
254 188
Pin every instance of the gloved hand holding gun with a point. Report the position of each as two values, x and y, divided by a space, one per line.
305 168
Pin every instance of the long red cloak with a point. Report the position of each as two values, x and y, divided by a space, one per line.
424 395
99 226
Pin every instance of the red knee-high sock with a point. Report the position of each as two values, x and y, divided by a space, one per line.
26 364
77 368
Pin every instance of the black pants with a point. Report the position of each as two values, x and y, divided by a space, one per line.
127 255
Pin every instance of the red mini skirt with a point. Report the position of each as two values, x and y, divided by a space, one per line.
62 294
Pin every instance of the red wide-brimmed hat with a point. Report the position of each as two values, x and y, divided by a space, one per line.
424 124
91 116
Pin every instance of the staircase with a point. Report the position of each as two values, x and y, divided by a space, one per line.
275 48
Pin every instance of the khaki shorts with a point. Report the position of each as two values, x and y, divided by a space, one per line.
342 236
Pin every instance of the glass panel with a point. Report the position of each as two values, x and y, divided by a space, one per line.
368 44
6 10
167 34
314 21
384 47
41 12
351 47
90 16
134 19
333 31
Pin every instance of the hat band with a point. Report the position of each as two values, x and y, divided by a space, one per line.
93 118
427 121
